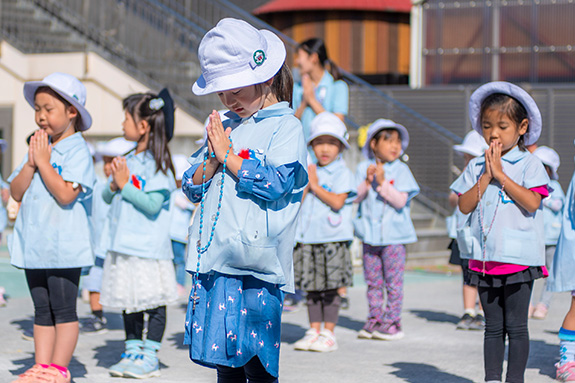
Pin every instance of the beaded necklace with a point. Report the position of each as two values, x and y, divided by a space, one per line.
484 234
201 250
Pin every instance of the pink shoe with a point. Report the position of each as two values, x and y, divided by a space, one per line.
566 373
2 299
53 375
540 311
30 376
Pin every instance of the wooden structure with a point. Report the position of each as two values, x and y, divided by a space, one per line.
369 38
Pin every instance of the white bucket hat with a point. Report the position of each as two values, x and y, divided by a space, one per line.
534 130
181 164
234 54
67 86
381 124
328 124
550 158
115 147
473 144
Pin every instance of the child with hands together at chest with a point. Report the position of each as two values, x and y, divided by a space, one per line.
51 239
385 189
504 234
322 260
138 275
248 179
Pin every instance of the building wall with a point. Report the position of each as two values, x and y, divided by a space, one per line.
374 45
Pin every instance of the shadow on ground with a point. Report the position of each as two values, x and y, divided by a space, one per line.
547 356
435 316
425 373
177 341
291 333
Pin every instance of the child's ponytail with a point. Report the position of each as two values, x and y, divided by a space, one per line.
317 46
138 105
282 86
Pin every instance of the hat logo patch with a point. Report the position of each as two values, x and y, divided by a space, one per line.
259 57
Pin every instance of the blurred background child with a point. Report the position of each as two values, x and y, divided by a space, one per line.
322 260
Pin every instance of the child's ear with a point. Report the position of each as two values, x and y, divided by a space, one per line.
72 112
372 144
523 126
143 127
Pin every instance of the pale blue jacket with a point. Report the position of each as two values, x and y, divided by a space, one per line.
552 218
256 226
377 222
318 223
46 234
181 216
517 236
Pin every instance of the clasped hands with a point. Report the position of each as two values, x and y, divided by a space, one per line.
218 139
493 166
375 172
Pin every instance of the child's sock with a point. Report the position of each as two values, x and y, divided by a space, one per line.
470 312
98 314
63 370
480 312
567 346
151 347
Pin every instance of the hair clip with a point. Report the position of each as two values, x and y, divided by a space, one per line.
156 104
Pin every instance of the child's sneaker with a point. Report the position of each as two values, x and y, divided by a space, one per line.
117 370
95 325
53 375
30 375
367 331
540 311
311 336
344 305
464 322
144 366
566 372
388 332
325 343
478 323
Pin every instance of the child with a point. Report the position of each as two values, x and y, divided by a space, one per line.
503 235
181 209
138 271
51 239
248 179
561 279
552 209
385 189
322 260
4 196
473 145
96 323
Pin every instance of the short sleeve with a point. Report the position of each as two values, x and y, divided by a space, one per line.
466 180
78 167
345 183
405 182
341 98
535 173
160 182
18 169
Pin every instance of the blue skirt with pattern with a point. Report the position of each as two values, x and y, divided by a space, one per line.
235 318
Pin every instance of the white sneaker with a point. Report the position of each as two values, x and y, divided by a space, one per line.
325 343
311 336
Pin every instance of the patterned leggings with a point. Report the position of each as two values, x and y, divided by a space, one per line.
383 267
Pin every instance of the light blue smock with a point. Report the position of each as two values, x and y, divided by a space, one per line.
517 236
181 216
100 211
319 223
131 231
377 222
552 218
3 212
256 227
332 95
454 221
46 234
562 276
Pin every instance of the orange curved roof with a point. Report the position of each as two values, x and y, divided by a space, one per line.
275 6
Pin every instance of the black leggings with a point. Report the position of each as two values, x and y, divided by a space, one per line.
54 293
506 310
252 372
134 324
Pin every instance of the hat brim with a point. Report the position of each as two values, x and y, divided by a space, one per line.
31 87
463 149
275 57
314 136
533 113
380 125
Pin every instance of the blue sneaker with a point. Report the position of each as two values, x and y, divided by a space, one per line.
144 366
117 370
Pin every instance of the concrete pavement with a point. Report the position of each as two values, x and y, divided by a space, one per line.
432 350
